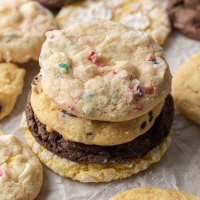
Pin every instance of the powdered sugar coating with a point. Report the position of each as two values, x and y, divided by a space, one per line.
142 15
108 91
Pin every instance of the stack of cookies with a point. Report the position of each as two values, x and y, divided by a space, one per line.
101 108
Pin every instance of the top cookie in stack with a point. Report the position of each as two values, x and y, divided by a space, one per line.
101 108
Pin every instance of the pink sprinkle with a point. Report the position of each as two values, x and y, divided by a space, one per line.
139 105
113 72
70 108
98 63
150 88
1 172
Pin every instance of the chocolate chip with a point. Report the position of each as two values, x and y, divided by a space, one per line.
150 116
64 112
90 134
1 107
143 125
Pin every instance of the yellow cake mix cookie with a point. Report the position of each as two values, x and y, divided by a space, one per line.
11 85
21 173
154 194
186 88
104 71
88 131
142 15
95 172
23 24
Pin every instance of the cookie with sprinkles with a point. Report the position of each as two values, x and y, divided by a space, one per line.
23 24
142 15
85 131
21 173
108 73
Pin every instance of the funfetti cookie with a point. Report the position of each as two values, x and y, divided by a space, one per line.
186 88
154 194
21 173
86 131
185 16
102 70
142 15
11 85
23 24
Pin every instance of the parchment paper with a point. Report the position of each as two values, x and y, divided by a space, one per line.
178 169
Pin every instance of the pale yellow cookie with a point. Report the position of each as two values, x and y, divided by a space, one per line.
11 85
95 172
104 71
21 173
154 194
142 15
88 131
23 24
186 88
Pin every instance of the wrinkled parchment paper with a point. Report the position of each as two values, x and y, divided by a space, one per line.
178 169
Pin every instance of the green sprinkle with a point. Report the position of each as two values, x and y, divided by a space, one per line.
64 66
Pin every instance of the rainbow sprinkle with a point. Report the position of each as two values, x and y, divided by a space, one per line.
140 92
154 61
150 88
1 172
87 96
93 59
70 108
64 66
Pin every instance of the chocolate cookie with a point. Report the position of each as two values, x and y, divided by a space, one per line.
185 16
55 4
103 154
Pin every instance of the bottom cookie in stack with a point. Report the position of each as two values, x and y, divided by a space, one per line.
96 163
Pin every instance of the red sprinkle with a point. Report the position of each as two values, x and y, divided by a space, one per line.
1 172
150 89
93 59
89 57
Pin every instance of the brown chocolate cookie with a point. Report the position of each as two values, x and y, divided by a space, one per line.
185 16
79 152
54 4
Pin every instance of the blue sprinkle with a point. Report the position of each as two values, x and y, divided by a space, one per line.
155 62
87 96
139 91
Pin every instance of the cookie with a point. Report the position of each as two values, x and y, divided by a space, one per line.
142 15
23 24
186 87
154 194
107 73
21 173
95 172
79 152
55 4
185 16
11 85
88 131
